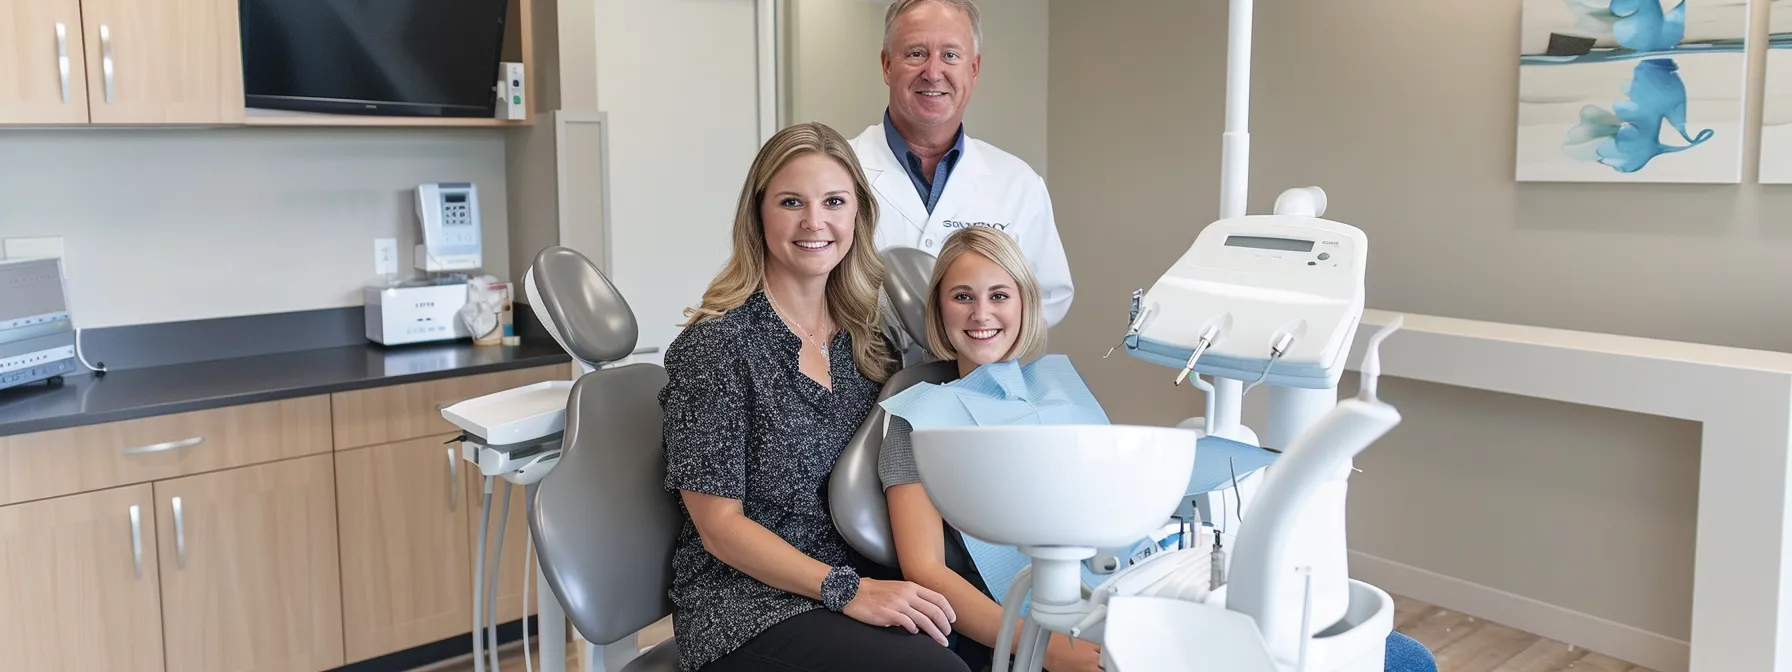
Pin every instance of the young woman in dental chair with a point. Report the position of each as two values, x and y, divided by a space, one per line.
983 307
772 376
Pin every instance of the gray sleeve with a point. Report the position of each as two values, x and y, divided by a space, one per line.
896 459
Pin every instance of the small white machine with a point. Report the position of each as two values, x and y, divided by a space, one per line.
452 237
414 311
37 337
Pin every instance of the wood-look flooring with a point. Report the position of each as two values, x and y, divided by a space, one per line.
1460 642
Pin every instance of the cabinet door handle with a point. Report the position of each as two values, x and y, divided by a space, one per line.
453 479
180 536
62 56
137 540
170 445
106 58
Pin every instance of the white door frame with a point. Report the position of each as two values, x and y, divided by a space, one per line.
766 28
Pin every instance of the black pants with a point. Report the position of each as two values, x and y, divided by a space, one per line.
819 640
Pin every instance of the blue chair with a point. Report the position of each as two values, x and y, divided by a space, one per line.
1406 654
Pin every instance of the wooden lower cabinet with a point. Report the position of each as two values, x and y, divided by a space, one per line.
407 564
75 594
249 566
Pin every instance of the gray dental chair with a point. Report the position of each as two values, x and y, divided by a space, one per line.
603 524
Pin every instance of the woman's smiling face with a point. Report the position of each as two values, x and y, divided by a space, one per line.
980 308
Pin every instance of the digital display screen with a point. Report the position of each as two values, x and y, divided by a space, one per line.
455 198
1266 243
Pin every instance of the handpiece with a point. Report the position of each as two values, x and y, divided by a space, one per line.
1278 346
1209 334
1138 314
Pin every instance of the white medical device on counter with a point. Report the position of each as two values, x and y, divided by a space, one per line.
452 239
414 311
38 342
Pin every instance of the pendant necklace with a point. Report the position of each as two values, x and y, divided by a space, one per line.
819 345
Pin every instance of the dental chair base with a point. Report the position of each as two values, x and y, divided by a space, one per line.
1162 634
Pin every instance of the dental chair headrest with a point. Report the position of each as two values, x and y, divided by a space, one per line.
908 272
580 308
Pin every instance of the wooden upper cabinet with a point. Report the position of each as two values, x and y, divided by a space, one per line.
162 61
43 72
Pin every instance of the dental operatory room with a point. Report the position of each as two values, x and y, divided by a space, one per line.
895 335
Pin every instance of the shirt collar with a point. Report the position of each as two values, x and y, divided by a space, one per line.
906 156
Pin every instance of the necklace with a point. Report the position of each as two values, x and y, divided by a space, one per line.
819 345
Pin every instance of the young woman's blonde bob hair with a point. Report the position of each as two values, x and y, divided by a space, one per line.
1005 252
853 286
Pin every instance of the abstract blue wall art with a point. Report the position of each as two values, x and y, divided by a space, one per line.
1632 90
1776 101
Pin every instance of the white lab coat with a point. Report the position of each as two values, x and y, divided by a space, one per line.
988 187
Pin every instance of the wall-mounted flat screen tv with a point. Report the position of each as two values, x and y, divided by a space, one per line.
428 58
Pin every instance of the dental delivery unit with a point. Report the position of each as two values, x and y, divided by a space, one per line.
1257 299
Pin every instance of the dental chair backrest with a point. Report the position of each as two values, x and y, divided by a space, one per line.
602 520
580 308
855 493
907 272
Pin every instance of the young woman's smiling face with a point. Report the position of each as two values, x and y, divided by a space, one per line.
980 308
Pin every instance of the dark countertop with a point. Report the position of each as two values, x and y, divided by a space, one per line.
137 393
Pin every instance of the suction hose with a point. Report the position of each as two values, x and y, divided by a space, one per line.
491 593
485 520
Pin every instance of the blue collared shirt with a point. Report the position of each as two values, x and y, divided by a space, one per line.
929 188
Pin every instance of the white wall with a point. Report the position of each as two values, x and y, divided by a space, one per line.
835 77
176 224
678 81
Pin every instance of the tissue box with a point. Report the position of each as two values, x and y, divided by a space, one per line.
494 297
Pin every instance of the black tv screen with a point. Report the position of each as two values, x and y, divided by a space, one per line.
435 58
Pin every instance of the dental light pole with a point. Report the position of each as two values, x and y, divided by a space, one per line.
1293 409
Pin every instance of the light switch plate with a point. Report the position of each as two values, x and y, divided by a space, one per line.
35 248
385 256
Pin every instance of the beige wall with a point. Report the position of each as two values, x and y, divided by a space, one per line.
834 75
177 224
1498 491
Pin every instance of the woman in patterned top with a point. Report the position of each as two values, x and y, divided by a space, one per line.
774 372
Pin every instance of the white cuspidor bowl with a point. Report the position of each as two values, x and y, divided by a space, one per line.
1056 485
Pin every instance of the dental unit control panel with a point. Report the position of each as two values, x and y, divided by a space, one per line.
1265 298
449 214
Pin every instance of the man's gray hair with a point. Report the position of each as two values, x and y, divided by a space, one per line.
969 7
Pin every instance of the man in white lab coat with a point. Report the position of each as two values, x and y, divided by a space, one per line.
930 179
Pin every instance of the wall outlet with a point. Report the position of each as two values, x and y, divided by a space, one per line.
385 256
35 248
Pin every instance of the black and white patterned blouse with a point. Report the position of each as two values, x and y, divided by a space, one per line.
743 422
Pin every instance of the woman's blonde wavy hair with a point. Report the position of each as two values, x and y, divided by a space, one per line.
996 246
855 284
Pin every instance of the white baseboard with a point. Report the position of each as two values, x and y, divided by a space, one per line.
1627 643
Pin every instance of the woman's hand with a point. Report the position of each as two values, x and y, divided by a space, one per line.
1063 654
887 603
